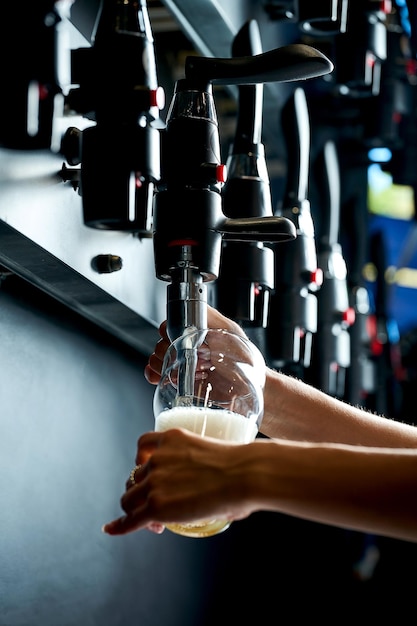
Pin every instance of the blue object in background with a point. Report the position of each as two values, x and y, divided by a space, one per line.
399 239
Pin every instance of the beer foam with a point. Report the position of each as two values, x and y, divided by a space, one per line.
217 423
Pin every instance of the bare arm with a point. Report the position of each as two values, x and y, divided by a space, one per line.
295 410
185 477
360 488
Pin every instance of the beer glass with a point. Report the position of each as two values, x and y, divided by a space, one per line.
212 384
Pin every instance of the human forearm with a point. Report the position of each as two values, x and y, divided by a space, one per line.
184 477
346 486
295 410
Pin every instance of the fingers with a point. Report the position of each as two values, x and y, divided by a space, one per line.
154 366
134 503
128 524
131 523
146 445
175 467
216 319
152 371
163 330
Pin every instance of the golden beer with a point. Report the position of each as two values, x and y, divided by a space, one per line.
207 422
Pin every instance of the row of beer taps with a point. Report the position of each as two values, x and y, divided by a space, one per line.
284 272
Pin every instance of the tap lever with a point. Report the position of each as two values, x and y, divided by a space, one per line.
289 63
266 229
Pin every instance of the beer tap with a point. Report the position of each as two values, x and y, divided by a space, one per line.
361 51
293 316
315 18
331 345
188 222
34 68
247 268
118 89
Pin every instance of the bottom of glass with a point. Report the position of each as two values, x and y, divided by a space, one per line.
205 528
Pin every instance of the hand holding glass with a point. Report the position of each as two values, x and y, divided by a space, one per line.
211 384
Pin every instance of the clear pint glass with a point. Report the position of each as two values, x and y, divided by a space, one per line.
211 384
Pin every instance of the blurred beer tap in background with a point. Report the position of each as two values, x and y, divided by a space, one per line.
33 98
247 268
353 164
118 90
331 344
395 126
387 124
293 317
360 51
316 18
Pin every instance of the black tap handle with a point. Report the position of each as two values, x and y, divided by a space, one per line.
327 176
295 125
247 41
267 229
249 119
289 63
246 192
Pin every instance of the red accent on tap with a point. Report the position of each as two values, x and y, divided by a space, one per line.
221 173
377 347
370 59
349 316
157 98
316 277
385 6
411 67
43 91
371 326
182 242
